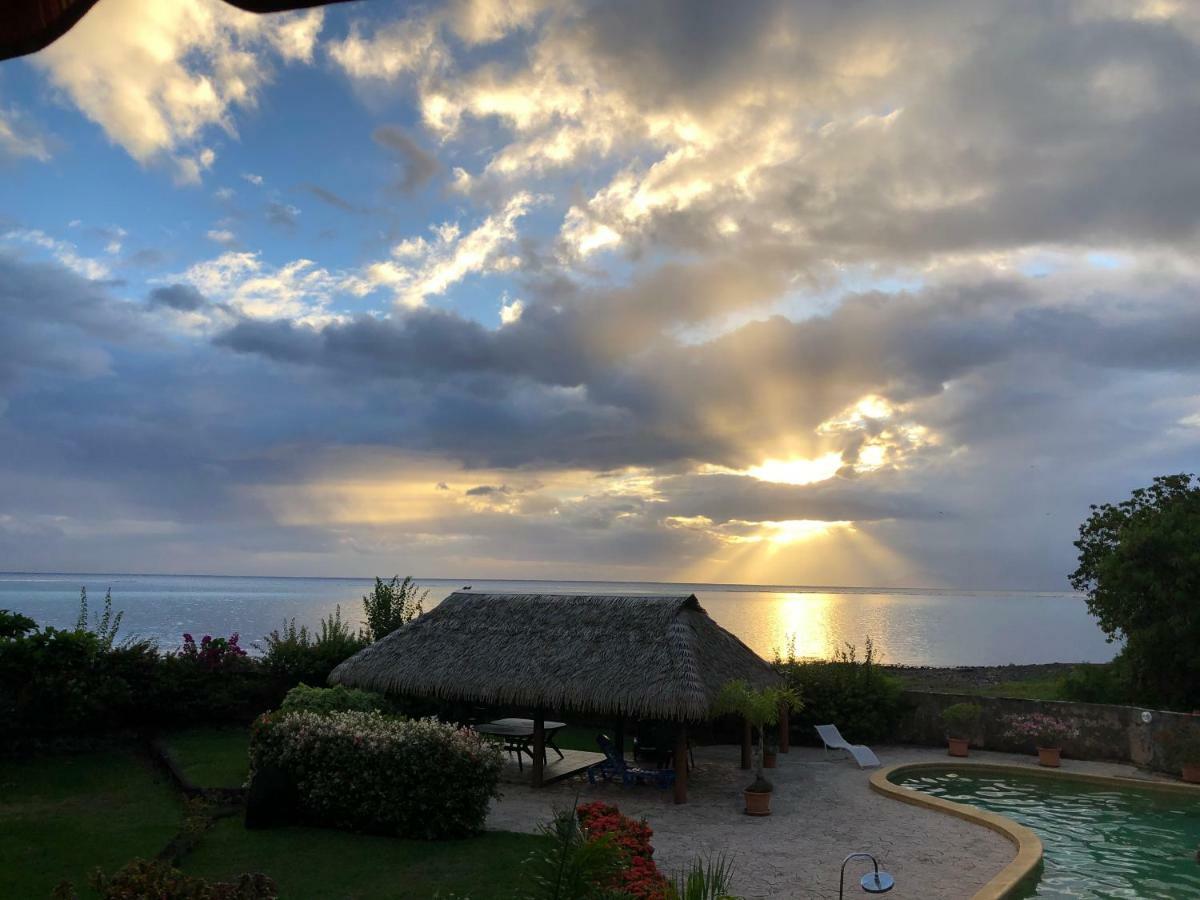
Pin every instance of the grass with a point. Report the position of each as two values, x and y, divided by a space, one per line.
61 816
1033 689
580 737
212 757
321 864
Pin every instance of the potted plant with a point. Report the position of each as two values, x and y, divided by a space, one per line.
1183 750
760 707
960 720
1047 734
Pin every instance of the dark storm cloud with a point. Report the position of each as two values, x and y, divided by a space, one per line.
721 399
419 166
486 490
50 318
182 297
728 498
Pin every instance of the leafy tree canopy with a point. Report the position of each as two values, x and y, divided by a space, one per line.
1139 565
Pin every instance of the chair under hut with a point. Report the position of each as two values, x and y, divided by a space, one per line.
615 657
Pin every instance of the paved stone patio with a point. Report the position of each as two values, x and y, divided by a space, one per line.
822 810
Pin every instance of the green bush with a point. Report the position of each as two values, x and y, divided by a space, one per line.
961 720
299 656
339 698
15 625
856 695
393 603
1097 683
369 772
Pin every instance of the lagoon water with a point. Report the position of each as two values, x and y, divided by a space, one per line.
908 626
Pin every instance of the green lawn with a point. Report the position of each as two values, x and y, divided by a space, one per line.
1033 689
322 864
61 816
211 757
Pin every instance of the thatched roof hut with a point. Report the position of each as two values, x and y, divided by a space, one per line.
654 657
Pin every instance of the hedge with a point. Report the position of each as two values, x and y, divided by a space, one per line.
365 771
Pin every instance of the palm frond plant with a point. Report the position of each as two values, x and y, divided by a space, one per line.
760 707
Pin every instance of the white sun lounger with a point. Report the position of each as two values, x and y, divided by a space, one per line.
833 739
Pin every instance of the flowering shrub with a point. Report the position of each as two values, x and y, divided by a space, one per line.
211 652
640 876
338 698
1043 730
366 771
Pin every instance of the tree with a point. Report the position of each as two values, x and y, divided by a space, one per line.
392 604
1139 565
760 707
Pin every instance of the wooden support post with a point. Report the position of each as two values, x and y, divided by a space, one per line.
785 732
747 748
539 747
619 738
681 764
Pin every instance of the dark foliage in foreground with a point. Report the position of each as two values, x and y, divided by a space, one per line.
81 681
145 880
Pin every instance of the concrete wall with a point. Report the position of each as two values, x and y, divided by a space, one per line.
1115 733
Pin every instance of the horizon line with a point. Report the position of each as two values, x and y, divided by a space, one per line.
746 587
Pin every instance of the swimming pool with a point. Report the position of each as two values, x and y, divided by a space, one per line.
1100 841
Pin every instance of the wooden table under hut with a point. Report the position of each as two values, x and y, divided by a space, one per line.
602 657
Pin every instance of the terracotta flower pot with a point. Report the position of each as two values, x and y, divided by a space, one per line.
1191 772
1050 757
768 759
758 803
958 746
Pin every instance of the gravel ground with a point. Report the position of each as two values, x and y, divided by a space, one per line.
822 810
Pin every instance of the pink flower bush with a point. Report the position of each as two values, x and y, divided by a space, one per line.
1042 729
365 771
211 652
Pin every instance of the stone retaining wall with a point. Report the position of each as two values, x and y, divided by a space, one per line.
1115 733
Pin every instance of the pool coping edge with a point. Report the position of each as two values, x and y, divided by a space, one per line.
1028 844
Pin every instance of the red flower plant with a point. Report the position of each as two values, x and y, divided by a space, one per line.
640 877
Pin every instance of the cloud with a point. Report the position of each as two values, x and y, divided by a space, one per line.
422 268
299 290
21 139
333 199
253 179
406 46
51 318
158 79
282 214
64 251
222 236
829 290
419 166
181 297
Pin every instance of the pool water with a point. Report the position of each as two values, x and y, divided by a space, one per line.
1098 841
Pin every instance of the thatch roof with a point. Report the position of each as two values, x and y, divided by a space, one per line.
658 657
27 26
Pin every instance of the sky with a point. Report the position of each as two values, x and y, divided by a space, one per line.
816 293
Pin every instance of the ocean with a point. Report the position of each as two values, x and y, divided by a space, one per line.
908 626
